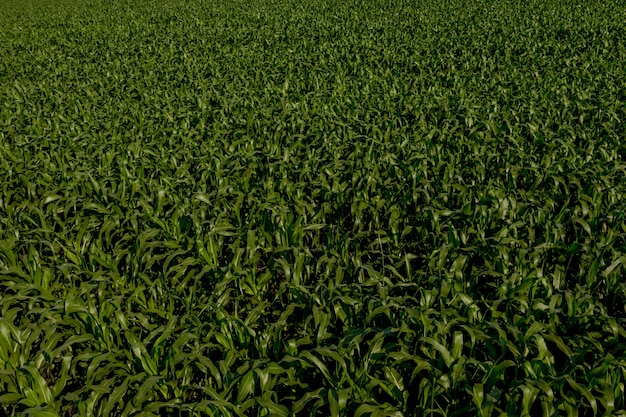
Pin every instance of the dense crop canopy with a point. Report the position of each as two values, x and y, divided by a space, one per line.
312 208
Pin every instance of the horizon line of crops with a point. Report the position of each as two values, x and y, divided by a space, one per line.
312 208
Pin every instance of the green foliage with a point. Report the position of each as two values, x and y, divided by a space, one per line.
333 208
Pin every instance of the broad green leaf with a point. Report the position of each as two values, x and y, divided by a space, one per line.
585 392
273 408
61 382
10 398
245 386
39 385
445 354
115 397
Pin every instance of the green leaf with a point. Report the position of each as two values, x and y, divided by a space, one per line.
585 392
364 409
529 396
333 404
614 265
139 351
457 345
10 398
314 360
478 395
37 412
394 377
40 387
61 382
146 391
445 354
496 373
273 408
558 341
246 386
115 397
